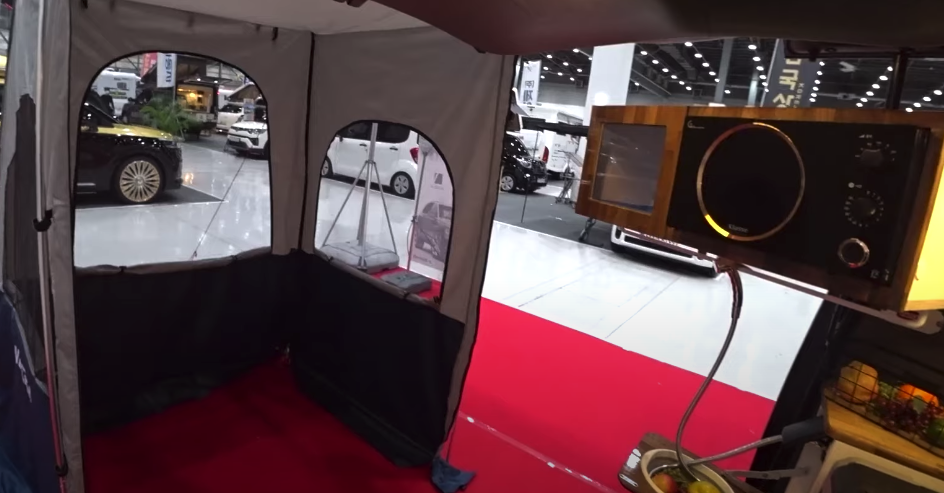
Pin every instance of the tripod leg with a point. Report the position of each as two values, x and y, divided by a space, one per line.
586 230
386 213
349 192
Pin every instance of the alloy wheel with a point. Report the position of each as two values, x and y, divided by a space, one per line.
325 168
507 183
401 184
140 181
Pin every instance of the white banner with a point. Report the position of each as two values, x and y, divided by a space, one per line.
530 80
166 69
433 222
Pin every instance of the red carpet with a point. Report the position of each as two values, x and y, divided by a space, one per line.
538 392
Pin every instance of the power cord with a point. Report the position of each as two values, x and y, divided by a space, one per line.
737 301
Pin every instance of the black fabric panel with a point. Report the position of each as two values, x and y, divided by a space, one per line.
146 342
381 364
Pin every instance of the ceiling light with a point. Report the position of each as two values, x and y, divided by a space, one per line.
816 81
909 110
756 58
869 93
566 64
579 70
636 83
665 69
876 86
576 50
571 79
766 90
643 52
706 65
819 72
589 58
883 77
717 80
760 67
198 79
859 105
697 55
815 88
890 69
560 73
542 76
812 100
752 47
864 100
549 56
937 92
674 76
763 84
655 62
822 64
812 94
688 88
727 91
682 82
688 43
545 68
762 76
917 105
712 73
927 98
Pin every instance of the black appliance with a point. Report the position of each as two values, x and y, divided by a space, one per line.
836 197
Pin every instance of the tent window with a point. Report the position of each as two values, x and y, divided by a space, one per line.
408 222
163 173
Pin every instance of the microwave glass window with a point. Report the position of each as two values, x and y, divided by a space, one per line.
629 165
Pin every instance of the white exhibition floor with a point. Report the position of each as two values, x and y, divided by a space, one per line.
668 316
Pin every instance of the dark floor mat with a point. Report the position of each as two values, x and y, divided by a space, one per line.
183 195
543 215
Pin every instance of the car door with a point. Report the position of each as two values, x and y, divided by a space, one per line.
351 150
390 137
95 151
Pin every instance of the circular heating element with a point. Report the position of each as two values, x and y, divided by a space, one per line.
750 182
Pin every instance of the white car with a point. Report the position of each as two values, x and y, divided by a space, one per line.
229 114
249 138
396 155
623 243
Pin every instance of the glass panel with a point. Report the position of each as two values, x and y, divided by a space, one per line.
629 165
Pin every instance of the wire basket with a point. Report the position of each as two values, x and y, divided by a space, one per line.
899 407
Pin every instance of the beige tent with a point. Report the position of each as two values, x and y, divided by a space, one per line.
371 62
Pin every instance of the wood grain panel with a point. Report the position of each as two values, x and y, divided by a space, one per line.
894 297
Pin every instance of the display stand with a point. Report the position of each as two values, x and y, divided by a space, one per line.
358 253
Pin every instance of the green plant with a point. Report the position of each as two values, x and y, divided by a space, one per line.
166 115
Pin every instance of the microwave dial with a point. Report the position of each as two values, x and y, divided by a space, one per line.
863 208
874 153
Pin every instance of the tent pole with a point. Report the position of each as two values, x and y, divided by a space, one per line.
416 211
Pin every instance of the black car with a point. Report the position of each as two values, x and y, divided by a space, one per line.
133 162
520 171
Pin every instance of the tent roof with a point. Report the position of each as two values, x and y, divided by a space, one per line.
530 26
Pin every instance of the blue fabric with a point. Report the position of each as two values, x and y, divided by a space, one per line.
449 479
27 459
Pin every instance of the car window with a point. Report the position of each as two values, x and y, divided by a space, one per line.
429 208
359 131
513 147
445 212
232 108
92 114
392 133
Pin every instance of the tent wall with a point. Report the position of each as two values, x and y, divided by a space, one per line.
455 96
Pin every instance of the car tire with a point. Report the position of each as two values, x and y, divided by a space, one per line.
138 180
402 185
507 183
327 171
265 151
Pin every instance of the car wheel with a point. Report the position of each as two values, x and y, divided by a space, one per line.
138 180
326 171
402 185
265 151
507 183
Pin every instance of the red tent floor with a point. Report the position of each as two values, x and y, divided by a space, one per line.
545 408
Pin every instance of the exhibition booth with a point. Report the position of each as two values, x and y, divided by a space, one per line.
249 360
